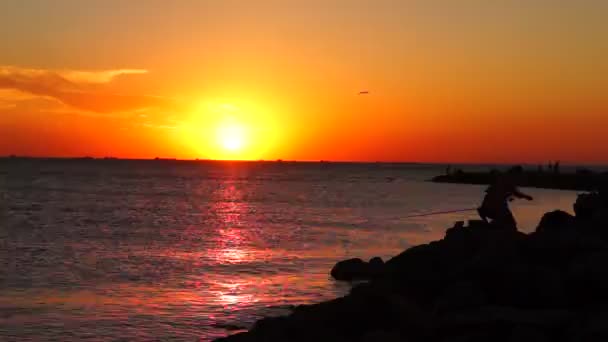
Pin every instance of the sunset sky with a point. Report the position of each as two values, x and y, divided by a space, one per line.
448 81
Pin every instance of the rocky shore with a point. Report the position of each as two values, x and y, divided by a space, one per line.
582 180
479 283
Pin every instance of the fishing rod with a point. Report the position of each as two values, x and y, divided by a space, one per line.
441 212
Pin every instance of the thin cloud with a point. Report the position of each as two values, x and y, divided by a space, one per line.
5 106
12 95
75 76
104 76
69 87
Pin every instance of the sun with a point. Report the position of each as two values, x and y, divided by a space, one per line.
231 136
240 130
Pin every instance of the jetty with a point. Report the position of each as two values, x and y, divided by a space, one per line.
579 180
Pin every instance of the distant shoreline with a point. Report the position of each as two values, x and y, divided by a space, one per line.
176 160
581 180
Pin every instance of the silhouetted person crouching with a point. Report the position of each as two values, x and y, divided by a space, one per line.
495 205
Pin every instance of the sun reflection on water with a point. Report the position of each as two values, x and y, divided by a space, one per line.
233 246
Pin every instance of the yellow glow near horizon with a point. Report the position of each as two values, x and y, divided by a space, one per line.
230 129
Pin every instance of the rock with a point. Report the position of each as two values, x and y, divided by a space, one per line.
555 221
561 247
460 296
271 329
419 271
384 336
228 326
587 280
376 261
342 318
509 316
357 269
594 329
415 321
458 233
351 269
376 267
240 337
547 288
476 224
587 205
523 333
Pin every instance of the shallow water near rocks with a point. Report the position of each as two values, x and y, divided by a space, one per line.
144 250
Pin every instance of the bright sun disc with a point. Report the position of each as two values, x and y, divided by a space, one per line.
231 137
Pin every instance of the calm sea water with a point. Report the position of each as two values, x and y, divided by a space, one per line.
161 250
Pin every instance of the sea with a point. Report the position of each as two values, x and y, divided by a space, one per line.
166 250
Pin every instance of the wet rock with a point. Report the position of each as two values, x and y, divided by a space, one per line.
507 316
240 337
527 334
595 328
384 336
460 296
561 247
357 269
587 281
271 329
228 326
376 267
376 262
555 221
351 269
588 204
344 318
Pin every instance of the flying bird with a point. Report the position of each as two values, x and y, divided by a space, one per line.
364 92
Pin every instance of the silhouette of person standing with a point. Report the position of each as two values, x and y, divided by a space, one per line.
495 205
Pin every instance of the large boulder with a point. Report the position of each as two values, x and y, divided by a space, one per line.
556 221
381 335
424 270
595 328
561 247
342 319
460 296
587 281
357 269
498 322
524 333
351 269
376 262
589 204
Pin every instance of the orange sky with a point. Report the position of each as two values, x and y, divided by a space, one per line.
466 81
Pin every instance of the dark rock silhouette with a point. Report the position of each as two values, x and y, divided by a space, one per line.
590 205
376 263
357 269
350 269
555 221
478 283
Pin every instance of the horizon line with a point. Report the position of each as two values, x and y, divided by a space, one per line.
110 158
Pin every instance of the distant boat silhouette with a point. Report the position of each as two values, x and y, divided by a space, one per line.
364 92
